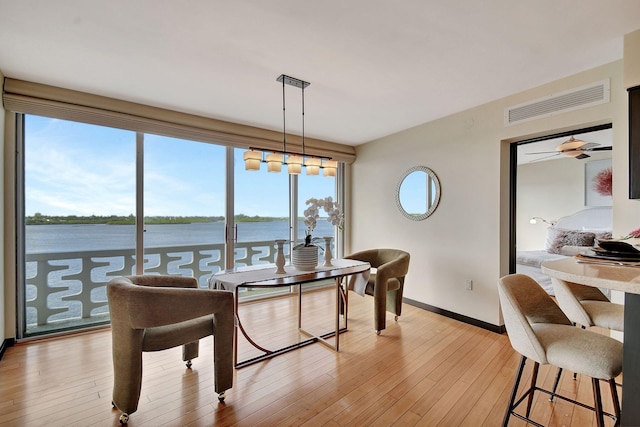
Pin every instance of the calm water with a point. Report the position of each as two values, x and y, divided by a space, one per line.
75 238
71 238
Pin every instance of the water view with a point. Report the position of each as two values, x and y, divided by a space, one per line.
68 265
88 237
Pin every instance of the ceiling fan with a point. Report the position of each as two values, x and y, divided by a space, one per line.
575 148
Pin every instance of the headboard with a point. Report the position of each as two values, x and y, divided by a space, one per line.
575 233
589 219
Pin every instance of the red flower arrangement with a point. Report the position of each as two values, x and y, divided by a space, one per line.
634 234
602 182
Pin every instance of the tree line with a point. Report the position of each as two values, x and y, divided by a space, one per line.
40 219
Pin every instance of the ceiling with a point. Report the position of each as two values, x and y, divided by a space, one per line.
375 67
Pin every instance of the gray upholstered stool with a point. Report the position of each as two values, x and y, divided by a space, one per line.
540 331
588 306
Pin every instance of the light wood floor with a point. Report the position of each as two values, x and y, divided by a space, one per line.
423 370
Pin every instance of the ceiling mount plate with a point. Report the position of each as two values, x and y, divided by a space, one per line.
293 81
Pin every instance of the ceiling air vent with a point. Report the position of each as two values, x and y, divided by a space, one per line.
574 99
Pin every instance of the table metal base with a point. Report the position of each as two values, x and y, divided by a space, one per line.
342 305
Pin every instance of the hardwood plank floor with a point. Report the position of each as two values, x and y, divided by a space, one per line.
424 370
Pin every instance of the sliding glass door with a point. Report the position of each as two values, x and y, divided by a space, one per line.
261 212
96 203
184 207
78 221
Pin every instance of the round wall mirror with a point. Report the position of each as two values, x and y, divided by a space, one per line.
418 193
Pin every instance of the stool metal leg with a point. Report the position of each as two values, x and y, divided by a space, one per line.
597 401
534 379
616 401
555 384
514 392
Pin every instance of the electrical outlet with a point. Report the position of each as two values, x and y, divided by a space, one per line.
468 284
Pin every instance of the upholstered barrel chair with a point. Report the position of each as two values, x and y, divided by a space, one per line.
152 313
386 284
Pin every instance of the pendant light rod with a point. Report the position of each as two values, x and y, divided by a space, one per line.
303 86
270 150
284 118
294 161
284 79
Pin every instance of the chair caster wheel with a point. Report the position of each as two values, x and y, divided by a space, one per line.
378 332
395 318
188 364
113 404
221 396
124 418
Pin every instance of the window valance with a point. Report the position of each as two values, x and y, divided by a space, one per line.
34 98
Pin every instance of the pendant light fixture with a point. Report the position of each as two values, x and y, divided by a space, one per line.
294 161
252 160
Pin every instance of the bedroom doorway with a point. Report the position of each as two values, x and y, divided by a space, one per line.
552 178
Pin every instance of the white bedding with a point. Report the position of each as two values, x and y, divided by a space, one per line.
597 220
528 262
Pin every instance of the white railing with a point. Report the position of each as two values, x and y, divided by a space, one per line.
68 289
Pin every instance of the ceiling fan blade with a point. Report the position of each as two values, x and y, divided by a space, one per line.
599 149
542 158
582 156
589 146
546 152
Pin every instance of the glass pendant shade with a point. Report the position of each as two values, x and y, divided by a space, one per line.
330 167
294 164
252 160
274 162
312 165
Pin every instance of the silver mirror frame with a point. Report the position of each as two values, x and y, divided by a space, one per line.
436 196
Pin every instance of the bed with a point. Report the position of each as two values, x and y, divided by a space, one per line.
570 235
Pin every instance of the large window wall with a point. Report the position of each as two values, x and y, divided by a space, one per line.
97 199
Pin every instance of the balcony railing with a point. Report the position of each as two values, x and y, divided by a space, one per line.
68 290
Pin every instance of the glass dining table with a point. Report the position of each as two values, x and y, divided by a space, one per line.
347 275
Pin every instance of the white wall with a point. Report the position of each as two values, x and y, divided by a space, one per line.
551 190
467 236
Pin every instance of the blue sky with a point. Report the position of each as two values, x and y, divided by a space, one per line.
77 169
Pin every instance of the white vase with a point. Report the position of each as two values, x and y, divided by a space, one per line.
280 257
305 258
327 251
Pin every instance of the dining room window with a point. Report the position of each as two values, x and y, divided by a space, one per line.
97 199
77 221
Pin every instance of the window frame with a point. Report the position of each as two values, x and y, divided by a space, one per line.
139 247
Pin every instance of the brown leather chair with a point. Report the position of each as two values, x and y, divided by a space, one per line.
387 283
152 313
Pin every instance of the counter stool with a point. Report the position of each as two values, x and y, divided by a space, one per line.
586 306
540 331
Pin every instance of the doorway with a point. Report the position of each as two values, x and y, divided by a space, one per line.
549 181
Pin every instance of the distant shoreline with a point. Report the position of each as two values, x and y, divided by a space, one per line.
39 219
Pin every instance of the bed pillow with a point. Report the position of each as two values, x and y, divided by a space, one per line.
557 238
603 235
